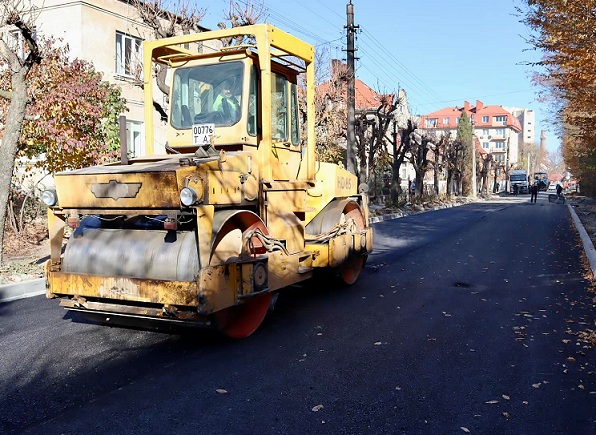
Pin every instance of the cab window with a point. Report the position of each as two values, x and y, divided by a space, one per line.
252 102
279 107
207 94
295 116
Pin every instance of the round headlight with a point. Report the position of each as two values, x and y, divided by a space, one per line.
49 197
188 196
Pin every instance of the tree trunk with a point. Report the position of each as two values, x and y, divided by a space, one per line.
10 140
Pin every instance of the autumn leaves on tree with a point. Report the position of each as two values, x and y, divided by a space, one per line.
564 33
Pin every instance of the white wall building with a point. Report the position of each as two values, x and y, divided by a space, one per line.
527 120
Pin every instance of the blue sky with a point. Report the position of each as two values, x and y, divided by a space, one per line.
441 52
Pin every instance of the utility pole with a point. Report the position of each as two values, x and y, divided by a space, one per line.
507 165
351 145
474 185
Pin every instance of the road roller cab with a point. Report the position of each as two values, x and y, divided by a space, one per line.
237 210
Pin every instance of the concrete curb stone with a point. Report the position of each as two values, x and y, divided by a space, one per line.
585 238
23 289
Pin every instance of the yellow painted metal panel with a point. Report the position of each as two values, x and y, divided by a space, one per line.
56 235
331 182
124 289
136 190
285 270
281 218
218 287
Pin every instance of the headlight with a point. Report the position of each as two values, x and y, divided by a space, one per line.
49 197
188 196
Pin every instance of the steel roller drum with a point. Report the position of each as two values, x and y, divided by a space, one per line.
147 254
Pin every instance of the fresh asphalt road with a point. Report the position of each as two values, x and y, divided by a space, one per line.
464 320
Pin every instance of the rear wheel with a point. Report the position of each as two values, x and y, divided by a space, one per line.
241 320
349 270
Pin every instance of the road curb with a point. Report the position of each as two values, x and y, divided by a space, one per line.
583 234
400 214
21 290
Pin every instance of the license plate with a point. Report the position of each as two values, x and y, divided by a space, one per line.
202 134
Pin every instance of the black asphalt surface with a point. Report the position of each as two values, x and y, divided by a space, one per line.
464 320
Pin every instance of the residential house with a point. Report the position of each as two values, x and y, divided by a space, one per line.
110 34
497 130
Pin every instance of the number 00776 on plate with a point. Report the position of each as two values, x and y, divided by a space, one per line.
202 134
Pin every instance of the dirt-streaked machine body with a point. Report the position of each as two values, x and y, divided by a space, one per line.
237 211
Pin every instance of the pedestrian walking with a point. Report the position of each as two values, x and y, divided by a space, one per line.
534 192
559 190
515 189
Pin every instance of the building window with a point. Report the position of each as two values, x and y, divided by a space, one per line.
485 132
431 123
485 119
16 42
446 121
500 119
485 145
129 56
500 132
500 145
134 138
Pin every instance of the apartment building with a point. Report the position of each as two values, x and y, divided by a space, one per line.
497 130
110 34
527 120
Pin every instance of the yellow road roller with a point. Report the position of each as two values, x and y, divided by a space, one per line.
237 208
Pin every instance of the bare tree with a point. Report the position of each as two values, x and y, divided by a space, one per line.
245 14
455 162
18 16
330 110
400 141
497 168
484 165
374 133
167 19
437 160
420 145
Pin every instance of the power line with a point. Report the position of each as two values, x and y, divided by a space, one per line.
385 70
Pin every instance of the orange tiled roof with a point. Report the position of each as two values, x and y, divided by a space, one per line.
477 113
365 97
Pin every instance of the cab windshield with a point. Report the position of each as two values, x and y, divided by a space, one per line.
207 94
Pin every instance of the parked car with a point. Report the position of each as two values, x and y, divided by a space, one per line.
552 187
